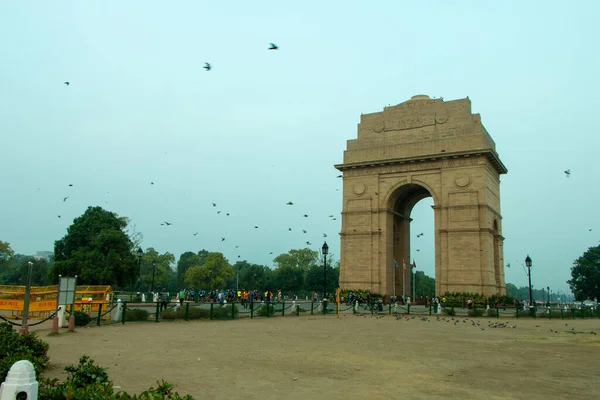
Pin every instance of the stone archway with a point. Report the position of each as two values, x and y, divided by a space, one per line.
422 148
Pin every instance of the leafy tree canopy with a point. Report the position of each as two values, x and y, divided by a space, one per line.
585 275
97 250
301 259
164 274
212 274
424 284
6 253
188 260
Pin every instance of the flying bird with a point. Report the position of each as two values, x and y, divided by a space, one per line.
207 66
289 203
339 176
324 235
222 239
331 216
65 199
237 247
308 243
290 229
152 183
305 215
168 223
568 173
67 83
59 216
218 212
273 46
214 204
271 253
70 185
195 233
227 214
303 231
418 250
255 227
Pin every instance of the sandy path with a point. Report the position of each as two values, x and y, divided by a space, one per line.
315 357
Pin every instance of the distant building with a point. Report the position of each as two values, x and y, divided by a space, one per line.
44 255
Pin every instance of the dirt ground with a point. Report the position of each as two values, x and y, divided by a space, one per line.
355 357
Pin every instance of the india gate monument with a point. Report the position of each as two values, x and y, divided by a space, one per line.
422 148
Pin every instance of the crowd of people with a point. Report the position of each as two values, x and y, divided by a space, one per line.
244 297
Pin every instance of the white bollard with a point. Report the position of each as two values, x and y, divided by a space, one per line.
61 314
116 313
143 297
20 379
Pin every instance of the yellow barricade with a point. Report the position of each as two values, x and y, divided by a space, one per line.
42 300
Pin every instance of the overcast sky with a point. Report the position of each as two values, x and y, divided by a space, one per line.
266 127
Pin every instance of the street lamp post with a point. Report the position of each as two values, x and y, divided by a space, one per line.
24 327
153 271
325 250
528 265
140 253
548 291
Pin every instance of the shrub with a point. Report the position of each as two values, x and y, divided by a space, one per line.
475 313
262 311
449 311
200 313
555 314
81 318
136 314
87 381
224 312
15 347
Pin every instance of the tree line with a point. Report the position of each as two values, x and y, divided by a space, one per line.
100 250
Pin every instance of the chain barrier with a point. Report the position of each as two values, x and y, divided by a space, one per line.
9 321
34 324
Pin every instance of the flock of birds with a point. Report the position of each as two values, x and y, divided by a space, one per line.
469 322
208 67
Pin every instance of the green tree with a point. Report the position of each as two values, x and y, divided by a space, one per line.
164 273
585 275
40 272
301 259
6 253
313 280
424 285
186 261
212 274
97 250
255 276
291 268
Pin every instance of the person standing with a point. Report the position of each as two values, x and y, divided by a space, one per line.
164 299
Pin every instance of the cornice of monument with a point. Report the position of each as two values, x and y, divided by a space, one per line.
490 154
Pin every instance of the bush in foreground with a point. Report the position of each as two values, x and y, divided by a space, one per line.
136 314
201 313
87 381
81 318
15 347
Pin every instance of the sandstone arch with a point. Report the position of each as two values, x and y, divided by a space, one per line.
422 148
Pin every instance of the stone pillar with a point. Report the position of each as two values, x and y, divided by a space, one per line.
20 379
